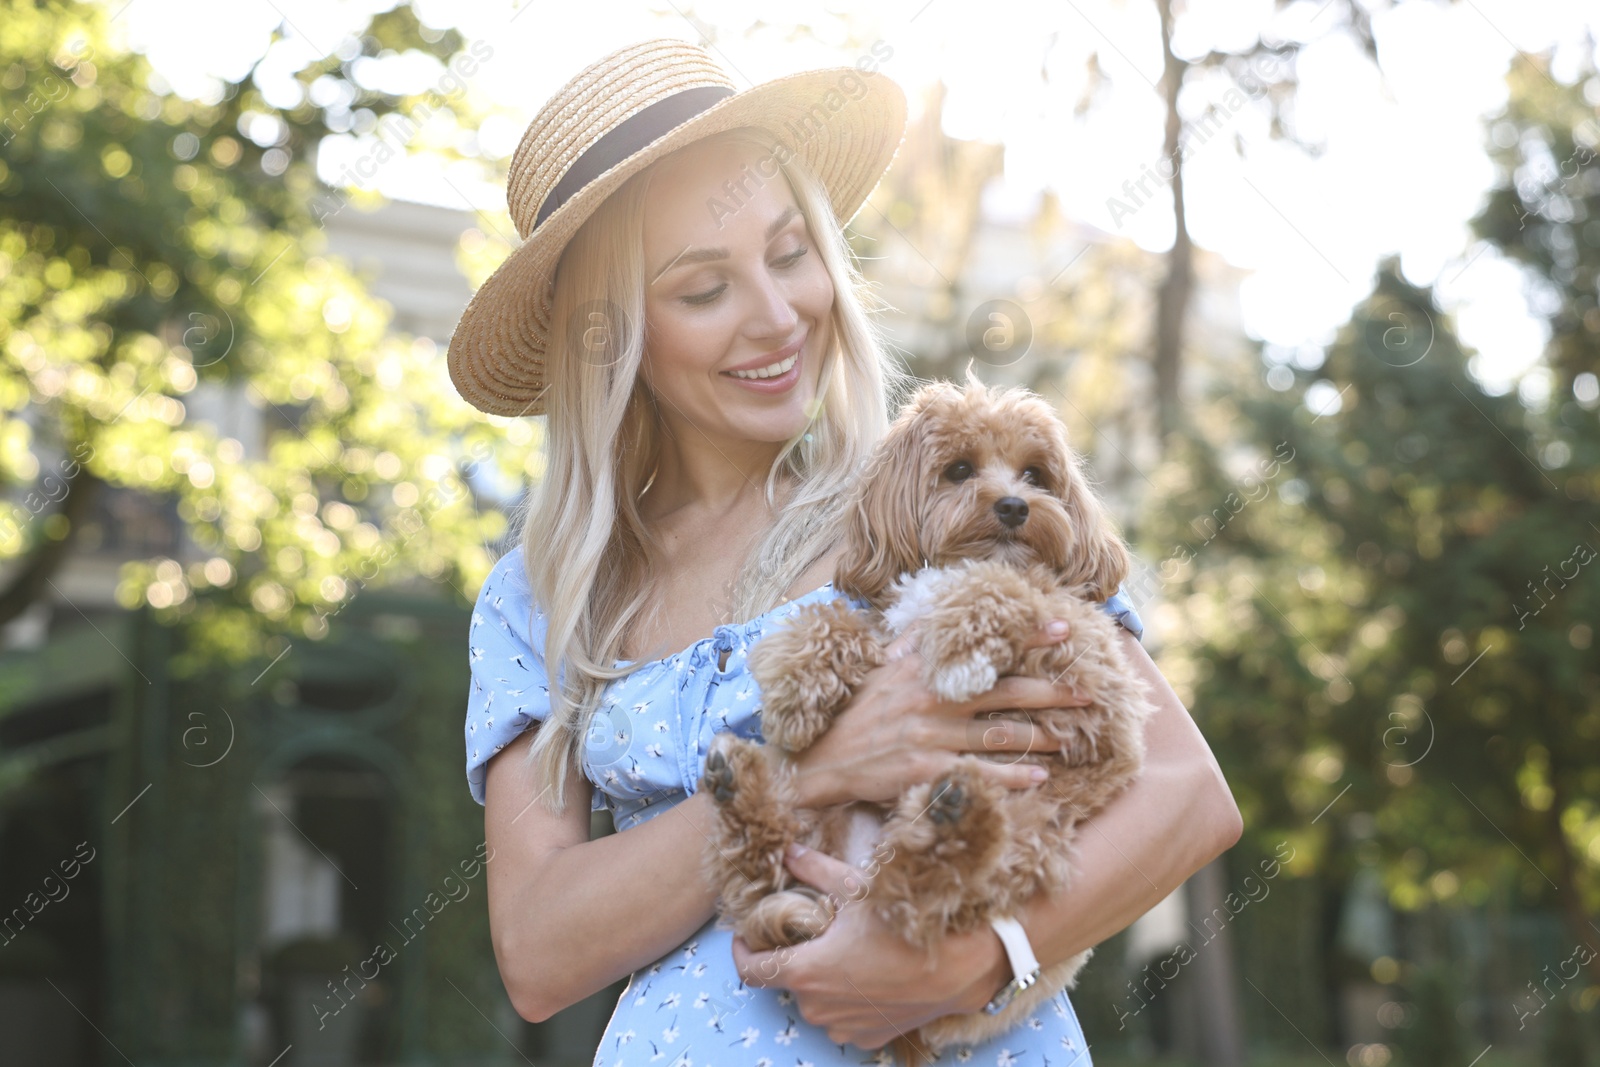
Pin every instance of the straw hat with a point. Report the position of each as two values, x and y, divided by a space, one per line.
611 121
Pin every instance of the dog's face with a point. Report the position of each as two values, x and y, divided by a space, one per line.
978 473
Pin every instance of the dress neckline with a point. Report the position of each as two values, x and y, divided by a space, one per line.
736 627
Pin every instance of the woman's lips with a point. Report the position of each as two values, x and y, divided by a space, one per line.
779 383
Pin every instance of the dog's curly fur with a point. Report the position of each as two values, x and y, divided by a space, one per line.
974 522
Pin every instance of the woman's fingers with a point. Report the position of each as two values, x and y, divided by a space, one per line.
1014 691
902 646
983 732
1004 745
1051 632
824 872
763 968
1014 775
988 734
1004 695
987 730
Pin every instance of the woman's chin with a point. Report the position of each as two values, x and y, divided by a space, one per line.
773 429
776 420
770 420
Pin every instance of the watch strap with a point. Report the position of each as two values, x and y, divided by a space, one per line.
1024 964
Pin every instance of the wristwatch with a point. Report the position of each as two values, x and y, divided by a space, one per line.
1024 965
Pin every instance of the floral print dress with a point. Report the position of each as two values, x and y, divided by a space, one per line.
644 753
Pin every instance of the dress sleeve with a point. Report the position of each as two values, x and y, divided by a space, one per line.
505 644
1119 607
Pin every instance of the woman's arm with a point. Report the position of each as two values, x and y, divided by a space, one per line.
557 899
1177 816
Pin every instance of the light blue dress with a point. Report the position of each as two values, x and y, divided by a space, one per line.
645 753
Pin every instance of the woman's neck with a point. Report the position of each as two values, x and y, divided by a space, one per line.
709 480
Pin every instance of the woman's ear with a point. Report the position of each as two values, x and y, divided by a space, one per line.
882 530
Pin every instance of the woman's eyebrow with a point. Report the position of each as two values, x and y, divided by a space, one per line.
691 254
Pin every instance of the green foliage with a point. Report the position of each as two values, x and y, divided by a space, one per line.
153 247
1543 213
1383 582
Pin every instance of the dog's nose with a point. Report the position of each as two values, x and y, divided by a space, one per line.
1011 510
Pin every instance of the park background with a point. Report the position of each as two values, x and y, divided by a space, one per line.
1335 371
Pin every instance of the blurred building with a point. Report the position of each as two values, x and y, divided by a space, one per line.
242 843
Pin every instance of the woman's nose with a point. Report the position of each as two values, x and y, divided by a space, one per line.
771 313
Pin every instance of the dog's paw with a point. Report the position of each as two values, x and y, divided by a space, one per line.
949 801
718 778
956 682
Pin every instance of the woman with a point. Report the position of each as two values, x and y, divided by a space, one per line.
711 383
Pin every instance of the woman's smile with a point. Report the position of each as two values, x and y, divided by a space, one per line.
775 372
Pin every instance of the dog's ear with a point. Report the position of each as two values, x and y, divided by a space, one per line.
1100 560
883 527
1097 559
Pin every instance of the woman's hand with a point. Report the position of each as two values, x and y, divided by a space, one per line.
895 732
859 980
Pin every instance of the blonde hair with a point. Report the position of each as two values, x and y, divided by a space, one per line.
581 533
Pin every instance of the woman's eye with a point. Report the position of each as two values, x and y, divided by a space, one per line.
696 299
959 471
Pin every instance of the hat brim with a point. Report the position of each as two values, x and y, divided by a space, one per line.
497 352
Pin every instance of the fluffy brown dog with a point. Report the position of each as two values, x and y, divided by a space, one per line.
975 524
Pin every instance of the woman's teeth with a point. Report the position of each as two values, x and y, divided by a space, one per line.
767 372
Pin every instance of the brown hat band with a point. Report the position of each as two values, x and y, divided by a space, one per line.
627 137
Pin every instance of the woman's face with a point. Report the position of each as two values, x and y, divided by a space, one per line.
737 299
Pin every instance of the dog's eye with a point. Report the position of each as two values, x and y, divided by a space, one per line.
959 471
1033 475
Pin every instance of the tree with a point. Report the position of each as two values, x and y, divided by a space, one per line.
1265 68
1403 627
152 246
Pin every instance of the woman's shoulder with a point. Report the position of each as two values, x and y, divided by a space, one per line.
506 588
510 572
505 619
509 690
